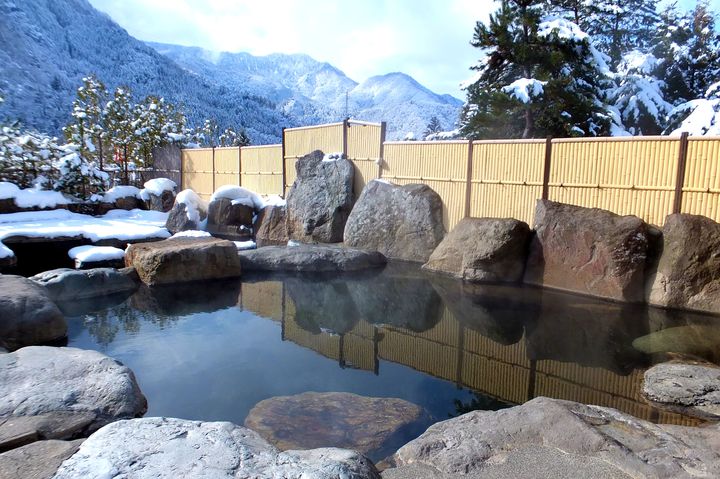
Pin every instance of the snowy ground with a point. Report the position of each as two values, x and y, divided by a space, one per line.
116 224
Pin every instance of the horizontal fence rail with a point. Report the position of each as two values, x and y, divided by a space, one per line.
649 177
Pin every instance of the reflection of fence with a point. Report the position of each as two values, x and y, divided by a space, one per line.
650 177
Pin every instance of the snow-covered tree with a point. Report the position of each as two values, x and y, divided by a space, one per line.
538 75
432 127
86 128
118 123
698 117
232 137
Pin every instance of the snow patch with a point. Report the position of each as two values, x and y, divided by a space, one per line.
564 29
191 234
332 157
156 187
117 192
93 254
245 245
525 89
193 204
239 196
5 252
32 197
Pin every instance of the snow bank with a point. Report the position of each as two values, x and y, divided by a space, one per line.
117 192
239 196
193 204
525 89
156 187
32 197
116 224
191 234
93 254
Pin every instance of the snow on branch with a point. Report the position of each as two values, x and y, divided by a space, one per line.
525 89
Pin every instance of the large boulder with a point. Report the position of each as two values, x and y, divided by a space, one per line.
589 251
314 258
160 448
65 284
178 260
189 212
401 222
320 199
230 220
41 380
271 226
483 250
553 438
688 273
690 389
27 314
375 427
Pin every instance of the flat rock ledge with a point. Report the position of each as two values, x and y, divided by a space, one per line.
311 258
179 260
369 425
554 438
160 448
39 460
87 386
691 389
65 284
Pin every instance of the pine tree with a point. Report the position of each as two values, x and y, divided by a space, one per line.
118 123
432 127
538 76
231 137
86 129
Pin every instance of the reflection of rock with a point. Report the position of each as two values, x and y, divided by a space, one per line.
588 251
38 460
188 298
588 332
325 304
27 315
552 438
497 312
179 260
167 448
43 380
701 340
691 389
68 284
400 296
483 250
305 257
372 426
402 222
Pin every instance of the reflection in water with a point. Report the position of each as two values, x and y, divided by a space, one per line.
507 344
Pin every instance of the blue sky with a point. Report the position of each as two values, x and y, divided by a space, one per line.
427 39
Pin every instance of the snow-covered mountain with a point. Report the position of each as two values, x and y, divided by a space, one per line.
318 92
48 46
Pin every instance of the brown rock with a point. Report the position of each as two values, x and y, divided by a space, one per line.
179 260
309 420
688 273
271 227
39 460
230 221
483 250
588 251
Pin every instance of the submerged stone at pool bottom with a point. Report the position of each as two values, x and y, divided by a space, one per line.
212 351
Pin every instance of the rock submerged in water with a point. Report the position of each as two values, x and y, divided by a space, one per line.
372 426
320 199
554 438
483 250
588 251
313 258
690 389
27 314
401 222
168 448
179 260
65 284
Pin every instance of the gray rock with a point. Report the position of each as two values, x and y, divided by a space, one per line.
401 222
66 284
39 460
44 380
690 389
271 226
687 274
303 257
163 203
230 221
553 438
320 199
161 448
27 314
483 250
369 425
178 219
16 431
589 251
179 260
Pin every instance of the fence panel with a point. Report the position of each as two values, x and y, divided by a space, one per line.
197 171
364 142
227 166
627 176
507 178
262 169
701 189
440 165
304 140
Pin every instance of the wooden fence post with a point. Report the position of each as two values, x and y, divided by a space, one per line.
345 138
284 174
213 170
468 179
381 159
546 168
239 165
182 167
680 178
